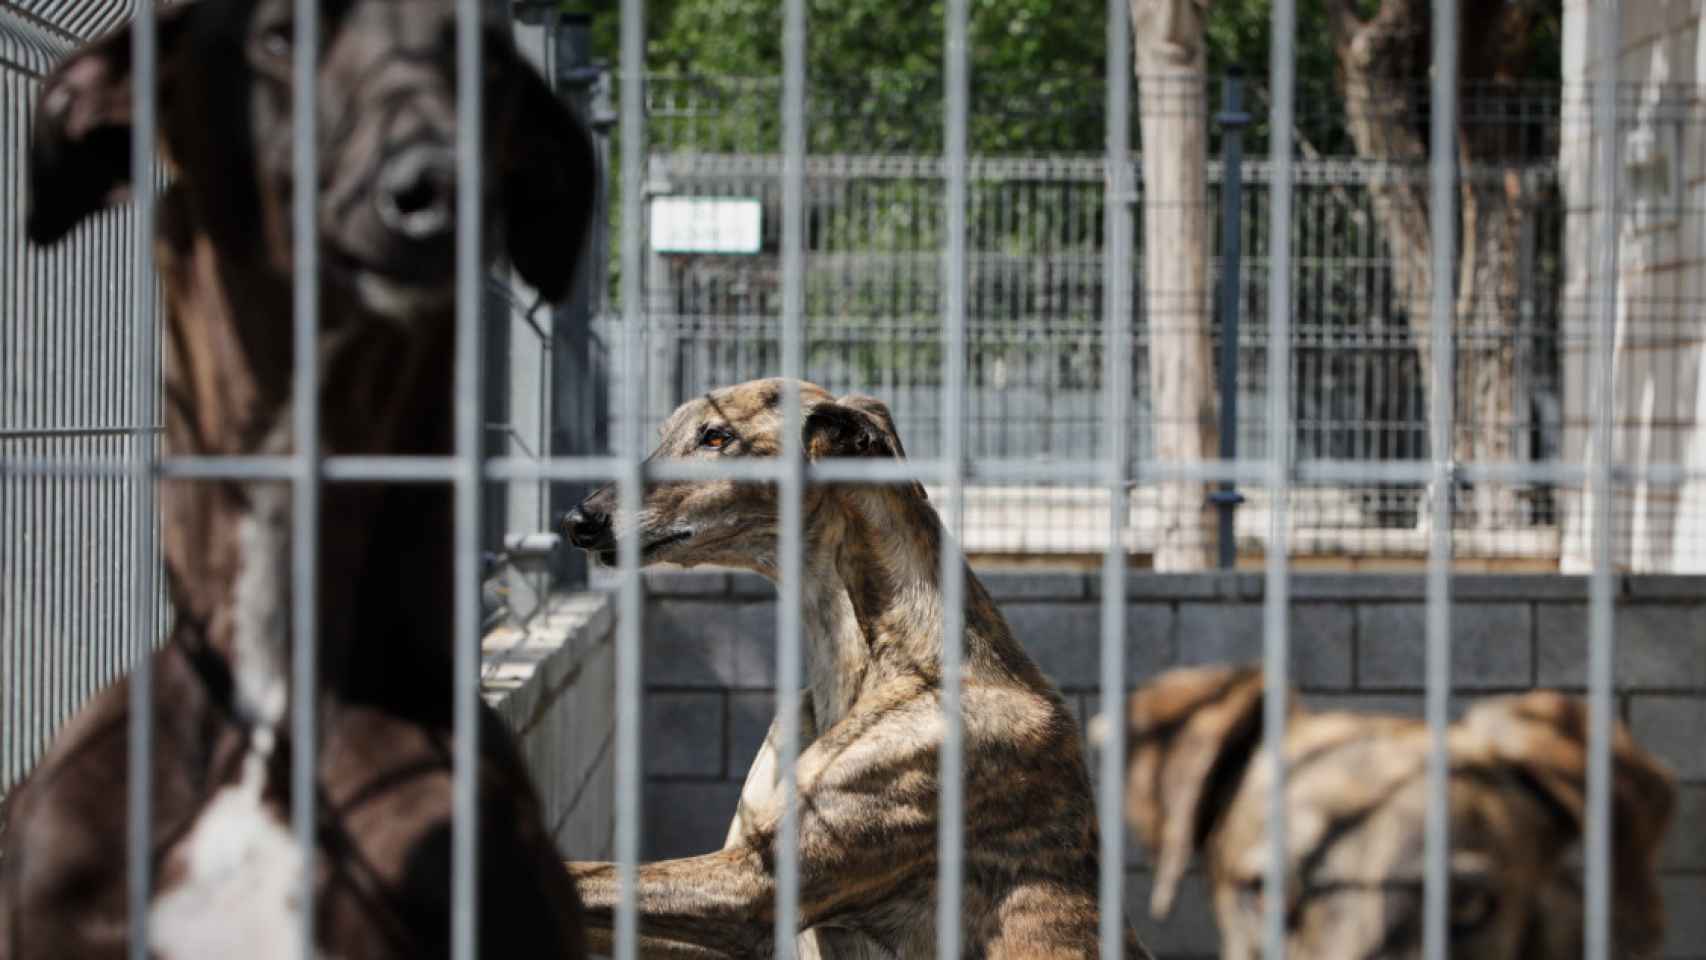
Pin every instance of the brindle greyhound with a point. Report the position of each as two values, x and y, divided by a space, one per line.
223 863
867 783
1197 782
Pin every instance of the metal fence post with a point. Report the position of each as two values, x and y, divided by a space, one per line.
1232 120
144 586
1276 589
580 365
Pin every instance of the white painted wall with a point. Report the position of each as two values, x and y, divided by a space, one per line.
1659 395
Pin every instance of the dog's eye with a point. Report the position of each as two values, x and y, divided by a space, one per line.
1251 897
277 39
1472 906
715 438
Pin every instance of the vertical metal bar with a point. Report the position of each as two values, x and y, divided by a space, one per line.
465 810
1442 221
1601 639
950 835
1276 646
630 444
1232 121
790 559
141 743
12 620
1116 380
305 505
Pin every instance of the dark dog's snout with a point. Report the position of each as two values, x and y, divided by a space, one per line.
587 529
416 192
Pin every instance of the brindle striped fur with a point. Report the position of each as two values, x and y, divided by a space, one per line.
868 781
223 868
1197 782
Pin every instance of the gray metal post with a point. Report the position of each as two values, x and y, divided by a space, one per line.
1117 399
1442 200
1276 597
1601 486
468 485
663 303
144 584
518 388
580 366
1232 120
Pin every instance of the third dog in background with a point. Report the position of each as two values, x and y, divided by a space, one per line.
1198 782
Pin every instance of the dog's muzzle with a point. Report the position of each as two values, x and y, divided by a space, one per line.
589 530
415 193
594 532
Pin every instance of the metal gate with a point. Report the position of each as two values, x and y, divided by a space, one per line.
67 543
115 457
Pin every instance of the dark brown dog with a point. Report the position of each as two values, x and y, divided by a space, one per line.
867 783
224 866
1197 782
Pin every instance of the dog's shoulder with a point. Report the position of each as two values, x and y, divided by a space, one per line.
66 824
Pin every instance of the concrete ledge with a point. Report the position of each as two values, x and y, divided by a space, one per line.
1536 587
666 583
1007 583
552 680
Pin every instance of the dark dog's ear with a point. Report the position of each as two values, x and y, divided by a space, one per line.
1542 738
851 426
855 425
548 177
878 412
79 158
1190 735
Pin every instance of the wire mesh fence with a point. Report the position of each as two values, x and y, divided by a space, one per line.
999 359
64 556
1035 297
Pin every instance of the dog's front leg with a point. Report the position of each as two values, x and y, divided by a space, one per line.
759 798
716 905
764 776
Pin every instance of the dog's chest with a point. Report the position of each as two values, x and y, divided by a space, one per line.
232 884
903 928
836 653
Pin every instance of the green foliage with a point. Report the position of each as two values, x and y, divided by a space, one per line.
875 70
876 66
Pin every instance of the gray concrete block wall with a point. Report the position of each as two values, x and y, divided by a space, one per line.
1357 644
553 682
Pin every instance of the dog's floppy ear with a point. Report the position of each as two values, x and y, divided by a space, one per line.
1190 735
79 160
547 173
1542 738
851 426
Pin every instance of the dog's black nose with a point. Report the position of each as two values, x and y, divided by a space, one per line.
416 192
588 530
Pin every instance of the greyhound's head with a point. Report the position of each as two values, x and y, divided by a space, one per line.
726 522
386 133
1356 821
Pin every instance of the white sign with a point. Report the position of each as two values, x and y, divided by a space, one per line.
706 224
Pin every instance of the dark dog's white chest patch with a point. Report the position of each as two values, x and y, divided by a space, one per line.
238 868
240 888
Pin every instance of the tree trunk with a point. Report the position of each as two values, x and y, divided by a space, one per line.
1383 63
1173 113
1488 327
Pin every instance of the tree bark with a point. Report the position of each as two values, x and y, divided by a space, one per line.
1173 114
1488 327
1383 61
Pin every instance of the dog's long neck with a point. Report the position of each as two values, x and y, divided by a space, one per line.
227 544
872 599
